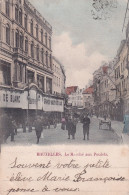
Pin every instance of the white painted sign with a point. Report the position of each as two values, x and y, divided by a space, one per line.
52 104
30 100
9 99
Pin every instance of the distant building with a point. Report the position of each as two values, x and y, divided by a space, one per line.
75 96
59 77
88 100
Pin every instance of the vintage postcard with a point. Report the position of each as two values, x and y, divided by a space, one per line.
64 97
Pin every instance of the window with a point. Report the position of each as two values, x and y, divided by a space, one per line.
31 27
17 38
20 16
41 35
50 42
21 41
40 80
42 55
30 76
5 74
25 20
46 58
49 85
7 7
16 13
37 52
26 45
46 38
50 58
37 31
8 34
32 50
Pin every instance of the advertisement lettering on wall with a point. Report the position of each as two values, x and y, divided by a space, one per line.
30 100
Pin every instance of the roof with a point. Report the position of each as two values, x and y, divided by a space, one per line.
89 90
71 89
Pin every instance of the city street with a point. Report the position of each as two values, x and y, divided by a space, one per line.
59 136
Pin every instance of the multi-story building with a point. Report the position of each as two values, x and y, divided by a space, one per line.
25 60
121 79
59 77
75 97
104 90
88 101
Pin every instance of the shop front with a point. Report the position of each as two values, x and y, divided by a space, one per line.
25 105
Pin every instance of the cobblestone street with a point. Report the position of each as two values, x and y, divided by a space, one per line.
59 136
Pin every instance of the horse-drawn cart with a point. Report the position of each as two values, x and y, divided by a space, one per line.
105 124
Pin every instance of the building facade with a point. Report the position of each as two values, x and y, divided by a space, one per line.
59 77
88 101
104 90
26 75
75 97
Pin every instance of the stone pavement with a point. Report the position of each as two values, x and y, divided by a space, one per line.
59 136
117 127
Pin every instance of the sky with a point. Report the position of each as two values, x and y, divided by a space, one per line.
80 42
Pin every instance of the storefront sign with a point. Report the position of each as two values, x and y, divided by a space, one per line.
52 104
31 100
10 99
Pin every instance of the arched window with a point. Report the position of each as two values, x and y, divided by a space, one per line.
50 42
46 58
37 31
21 41
41 35
20 16
31 27
7 34
42 55
26 44
32 49
37 52
17 38
16 13
25 20
7 7
46 38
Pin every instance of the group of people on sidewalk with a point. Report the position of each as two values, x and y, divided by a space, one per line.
71 123
67 123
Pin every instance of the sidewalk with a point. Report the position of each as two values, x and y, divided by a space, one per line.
117 127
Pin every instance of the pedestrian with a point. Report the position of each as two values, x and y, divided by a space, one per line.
126 123
63 123
38 128
8 128
86 124
11 127
55 122
71 127
105 117
15 126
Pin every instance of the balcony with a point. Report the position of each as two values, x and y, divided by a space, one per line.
18 84
18 50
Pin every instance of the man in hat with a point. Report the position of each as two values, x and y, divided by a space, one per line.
38 127
86 124
71 127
